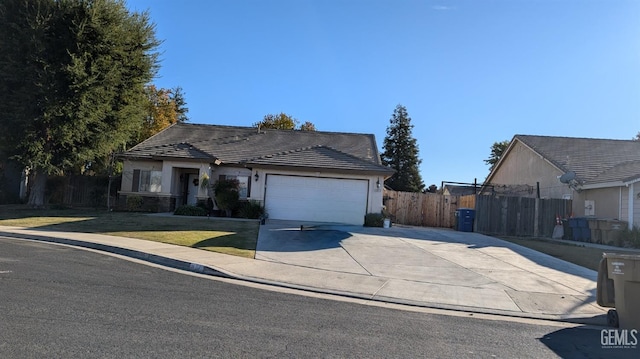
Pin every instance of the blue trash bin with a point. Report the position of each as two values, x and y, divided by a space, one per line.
465 217
581 231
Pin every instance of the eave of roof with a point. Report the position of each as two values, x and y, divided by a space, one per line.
176 150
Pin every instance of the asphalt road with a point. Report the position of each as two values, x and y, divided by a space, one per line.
62 302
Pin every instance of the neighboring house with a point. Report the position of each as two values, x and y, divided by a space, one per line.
601 176
456 190
297 175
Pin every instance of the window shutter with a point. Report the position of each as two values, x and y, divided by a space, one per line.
135 183
249 187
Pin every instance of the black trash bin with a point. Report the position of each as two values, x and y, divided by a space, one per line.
464 219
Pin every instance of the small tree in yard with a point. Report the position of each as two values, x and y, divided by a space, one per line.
401 153
227 195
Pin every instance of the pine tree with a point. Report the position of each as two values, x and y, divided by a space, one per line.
401 153
72 77
497 150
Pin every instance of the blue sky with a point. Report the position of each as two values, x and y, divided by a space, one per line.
469 72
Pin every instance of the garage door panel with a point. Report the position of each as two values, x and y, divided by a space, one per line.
316 199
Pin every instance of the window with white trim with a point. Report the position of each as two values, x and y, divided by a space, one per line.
147 181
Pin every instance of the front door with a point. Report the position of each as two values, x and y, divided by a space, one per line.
192 189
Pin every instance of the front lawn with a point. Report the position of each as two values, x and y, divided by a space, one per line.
236 237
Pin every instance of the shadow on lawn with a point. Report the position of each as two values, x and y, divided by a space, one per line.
226 241
93 222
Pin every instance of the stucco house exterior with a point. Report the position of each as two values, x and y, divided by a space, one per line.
297 175
600 176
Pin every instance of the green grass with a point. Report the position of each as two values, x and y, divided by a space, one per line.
571 252
236 237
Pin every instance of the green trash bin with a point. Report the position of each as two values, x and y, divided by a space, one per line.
622 279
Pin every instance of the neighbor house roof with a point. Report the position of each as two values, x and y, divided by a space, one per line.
594 161
460 190
266 147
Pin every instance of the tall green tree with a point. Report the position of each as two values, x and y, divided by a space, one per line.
72 77
497 149
283 121
401 153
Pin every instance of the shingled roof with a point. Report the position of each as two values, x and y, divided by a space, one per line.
593 160
267 147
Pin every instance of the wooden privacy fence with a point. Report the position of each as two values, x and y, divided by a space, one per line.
81 190
510 216
425 209
519 216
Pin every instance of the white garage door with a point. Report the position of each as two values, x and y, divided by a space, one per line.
316 199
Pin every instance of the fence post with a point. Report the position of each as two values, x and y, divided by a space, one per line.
536 219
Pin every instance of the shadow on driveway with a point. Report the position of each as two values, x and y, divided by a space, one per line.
296 240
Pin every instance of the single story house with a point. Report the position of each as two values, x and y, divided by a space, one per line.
600 176
297 175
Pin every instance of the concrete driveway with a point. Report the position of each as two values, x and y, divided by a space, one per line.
429 266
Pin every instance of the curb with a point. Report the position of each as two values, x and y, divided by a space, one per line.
152 258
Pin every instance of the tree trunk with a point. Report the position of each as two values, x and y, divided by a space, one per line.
38 186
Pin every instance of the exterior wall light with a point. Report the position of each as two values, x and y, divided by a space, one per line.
378 183
256 176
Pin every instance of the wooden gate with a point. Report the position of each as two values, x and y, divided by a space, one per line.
425 209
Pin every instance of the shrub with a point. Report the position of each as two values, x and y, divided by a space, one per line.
201 204
226 192
134 203
190 211
251 210
374 220
629 237
58 206
97 197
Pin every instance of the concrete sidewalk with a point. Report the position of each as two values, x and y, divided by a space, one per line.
428 267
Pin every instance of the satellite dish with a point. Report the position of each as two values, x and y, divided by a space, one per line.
568 177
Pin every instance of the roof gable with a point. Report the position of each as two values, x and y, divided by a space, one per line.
593 160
